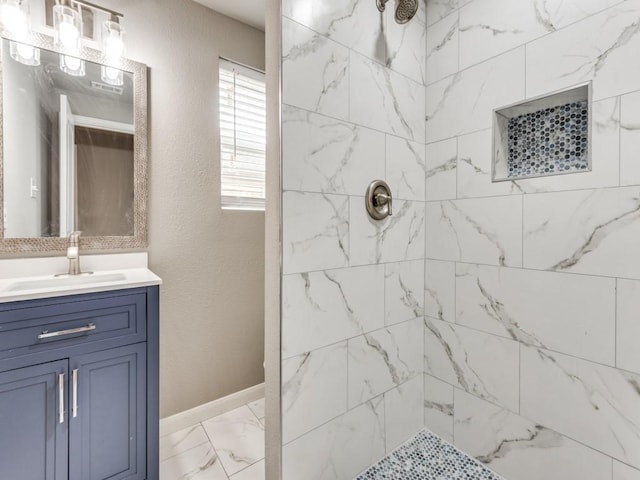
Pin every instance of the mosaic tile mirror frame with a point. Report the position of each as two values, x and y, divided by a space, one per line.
548 135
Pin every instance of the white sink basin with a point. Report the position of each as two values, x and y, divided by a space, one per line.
65 281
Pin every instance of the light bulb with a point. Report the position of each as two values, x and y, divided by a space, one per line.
67 23
112 76
72 66
113 47
25 54
14 16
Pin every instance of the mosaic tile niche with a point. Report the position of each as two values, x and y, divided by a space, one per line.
542 137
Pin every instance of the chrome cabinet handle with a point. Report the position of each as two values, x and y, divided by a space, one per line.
61 396
61 333
74 408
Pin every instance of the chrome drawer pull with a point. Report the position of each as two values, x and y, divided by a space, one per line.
71 331
74 408
61 397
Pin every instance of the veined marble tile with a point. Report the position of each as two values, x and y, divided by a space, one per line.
322 308
442 159
481 364
320 65
628 326
198 463
403 291
475 162
321 154
356 24
575 55
630 139
596 405
438 407
406 46
588 231
624 472
405 169
254 472
257 408
487 230
381 360
464 102
385 100
520 449
339 449
403 412
440 290
238 437
438 9
544 309
442 48
181 441
314 389
315 231
394 239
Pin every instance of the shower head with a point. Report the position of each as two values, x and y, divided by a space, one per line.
405 9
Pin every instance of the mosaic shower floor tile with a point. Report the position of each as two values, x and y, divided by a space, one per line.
427 457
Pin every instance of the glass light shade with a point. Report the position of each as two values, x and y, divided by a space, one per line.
113 47
25 54
67 23
72 66
112 76
14 18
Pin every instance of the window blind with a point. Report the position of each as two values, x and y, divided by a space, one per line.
242 136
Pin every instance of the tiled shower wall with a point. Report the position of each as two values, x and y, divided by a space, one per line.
353 289
532 327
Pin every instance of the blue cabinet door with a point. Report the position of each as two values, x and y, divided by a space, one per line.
34 422
107 438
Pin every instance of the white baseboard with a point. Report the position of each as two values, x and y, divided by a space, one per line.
188 418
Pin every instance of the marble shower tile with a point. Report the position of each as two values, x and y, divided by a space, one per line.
403 291
405 169
397 238
381 360
254 472
403 412
321 154
442 48
322 308
198 463
181 441
438 407
487 230
440 290
482 364
544 309
588 231
575 55
238 438
464 102
624 472
520 449
406 46
630 139
321 65
339 449
628 325
315 231
356 24
257 408
594 404
314 389
438 9
385 100
442 159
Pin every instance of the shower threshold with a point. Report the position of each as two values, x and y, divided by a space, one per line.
427 457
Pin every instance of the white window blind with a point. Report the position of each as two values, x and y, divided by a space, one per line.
242 136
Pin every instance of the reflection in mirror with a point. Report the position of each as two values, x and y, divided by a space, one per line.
68 147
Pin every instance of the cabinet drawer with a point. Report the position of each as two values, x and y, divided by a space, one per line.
40 327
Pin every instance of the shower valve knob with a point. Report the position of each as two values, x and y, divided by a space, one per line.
379 200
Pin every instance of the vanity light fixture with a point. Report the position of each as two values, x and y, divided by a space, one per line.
67 25
71 65
14 18
113 49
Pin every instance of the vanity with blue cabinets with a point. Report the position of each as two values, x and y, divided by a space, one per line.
79 386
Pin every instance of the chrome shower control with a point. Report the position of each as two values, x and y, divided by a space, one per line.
379 200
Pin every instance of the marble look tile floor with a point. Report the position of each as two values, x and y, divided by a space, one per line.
227 447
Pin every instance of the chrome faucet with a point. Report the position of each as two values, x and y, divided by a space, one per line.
73 253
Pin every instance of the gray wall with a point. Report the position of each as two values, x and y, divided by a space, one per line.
211 261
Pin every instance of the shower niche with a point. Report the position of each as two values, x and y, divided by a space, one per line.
548 135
